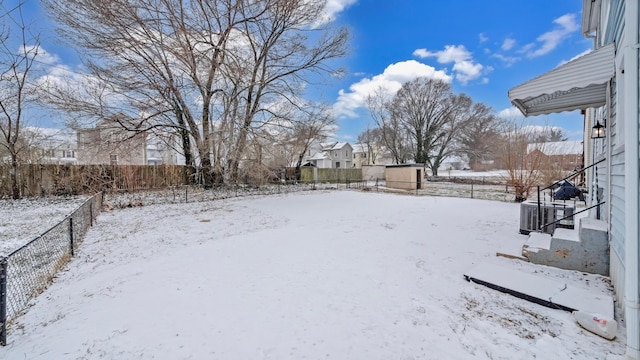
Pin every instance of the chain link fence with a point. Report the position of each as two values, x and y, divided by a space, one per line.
194 193
472 190
27 271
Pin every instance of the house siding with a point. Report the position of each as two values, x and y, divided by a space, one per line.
616 266
617 231
614 26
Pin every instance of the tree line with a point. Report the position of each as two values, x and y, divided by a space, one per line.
426 122
221 81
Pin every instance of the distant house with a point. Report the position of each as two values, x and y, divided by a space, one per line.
109 144
51 146
330 155
162 150
563 155
362 155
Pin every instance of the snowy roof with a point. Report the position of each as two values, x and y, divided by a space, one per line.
360 148
557 148
321 155
333 145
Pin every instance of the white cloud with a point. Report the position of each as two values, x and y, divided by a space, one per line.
390 80
482 38
467 70
39 54
507 60
451 53
508 44
465 67
332 8
547 42
510 113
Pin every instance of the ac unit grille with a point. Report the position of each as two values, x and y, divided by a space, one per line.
550 212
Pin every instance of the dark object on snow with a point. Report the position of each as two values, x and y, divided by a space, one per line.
567 191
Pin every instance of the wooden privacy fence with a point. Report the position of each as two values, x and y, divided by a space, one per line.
39 179
309 174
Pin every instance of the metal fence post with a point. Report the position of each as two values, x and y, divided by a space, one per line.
3 301
91 213
472 190
71 234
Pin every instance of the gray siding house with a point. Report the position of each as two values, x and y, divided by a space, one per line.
604 84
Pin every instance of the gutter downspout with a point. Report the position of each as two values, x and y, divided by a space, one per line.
632 179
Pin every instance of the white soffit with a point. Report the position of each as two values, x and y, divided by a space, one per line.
578 84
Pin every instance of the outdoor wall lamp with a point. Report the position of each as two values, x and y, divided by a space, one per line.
597 132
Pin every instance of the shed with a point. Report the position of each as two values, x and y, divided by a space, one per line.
404 176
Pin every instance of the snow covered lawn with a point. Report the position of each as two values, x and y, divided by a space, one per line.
23 220
313 275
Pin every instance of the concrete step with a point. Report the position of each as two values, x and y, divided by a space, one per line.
585 249
536 242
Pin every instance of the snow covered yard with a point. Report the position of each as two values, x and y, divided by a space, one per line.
23 220
313 275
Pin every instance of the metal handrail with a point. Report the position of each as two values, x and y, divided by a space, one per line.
569 216
573 174
559 181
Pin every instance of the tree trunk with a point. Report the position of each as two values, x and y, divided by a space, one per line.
186 147
15 190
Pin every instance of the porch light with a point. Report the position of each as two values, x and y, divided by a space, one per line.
597 132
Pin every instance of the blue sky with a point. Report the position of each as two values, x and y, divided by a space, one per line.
483 48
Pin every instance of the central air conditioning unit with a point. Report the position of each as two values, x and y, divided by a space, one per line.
549 213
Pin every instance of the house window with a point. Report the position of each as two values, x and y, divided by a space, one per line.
67 154
113 159
346 154
354 155
363 155
335 154
337 164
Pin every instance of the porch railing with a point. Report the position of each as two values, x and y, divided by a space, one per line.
541 226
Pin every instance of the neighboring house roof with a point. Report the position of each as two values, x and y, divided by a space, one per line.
333 146
321 155
557 148
360 148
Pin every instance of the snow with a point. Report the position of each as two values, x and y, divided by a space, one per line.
25 219
312 275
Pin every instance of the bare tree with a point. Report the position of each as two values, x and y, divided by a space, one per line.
523 170
549 134
156 61
393 134
477 140
462 111
373 142
278 56
312 125
207 70
16 90
425 110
